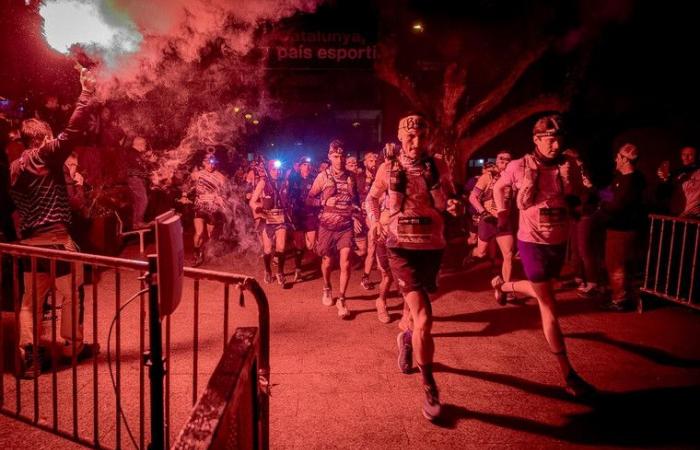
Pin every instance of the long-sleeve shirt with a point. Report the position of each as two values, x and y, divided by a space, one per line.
37 182
625 209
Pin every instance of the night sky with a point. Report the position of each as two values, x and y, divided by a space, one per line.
638 84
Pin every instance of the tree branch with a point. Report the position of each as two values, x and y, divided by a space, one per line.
386 70
507 120
496 96
453 88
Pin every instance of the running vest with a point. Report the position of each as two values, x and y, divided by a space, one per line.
273 202
414 223
339 216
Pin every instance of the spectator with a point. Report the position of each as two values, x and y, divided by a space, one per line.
138 161
624 217
38 188
670 193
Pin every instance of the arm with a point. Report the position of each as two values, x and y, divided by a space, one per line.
255 198
379 188
503 185
57 150
312 199
476 193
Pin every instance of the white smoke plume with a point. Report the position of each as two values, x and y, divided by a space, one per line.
191 80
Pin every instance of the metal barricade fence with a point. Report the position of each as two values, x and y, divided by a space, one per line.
91 402
672 260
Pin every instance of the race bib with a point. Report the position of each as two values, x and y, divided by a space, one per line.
275 216
414 230
342 205
551 218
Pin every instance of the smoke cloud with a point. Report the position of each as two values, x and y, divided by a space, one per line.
196 80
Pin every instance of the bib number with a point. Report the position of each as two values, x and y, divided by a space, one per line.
551 218
414 230
275 216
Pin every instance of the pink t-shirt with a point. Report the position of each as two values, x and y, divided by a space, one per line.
545 222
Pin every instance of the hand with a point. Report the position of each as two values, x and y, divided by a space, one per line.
492 211
330 201
184 200
455 207
377 232
357 225
664 171
87 80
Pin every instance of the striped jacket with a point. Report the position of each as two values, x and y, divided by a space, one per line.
37 181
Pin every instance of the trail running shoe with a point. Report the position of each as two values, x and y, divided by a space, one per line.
431 402
343 311
405 360
327 298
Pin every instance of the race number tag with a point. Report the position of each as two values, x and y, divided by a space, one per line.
414 230
551 218
275 216
342 205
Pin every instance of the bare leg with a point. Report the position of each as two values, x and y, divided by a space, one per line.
480 249
522 287
344 270
505 243
326 271
280 241
310 240
369 259
421 313
210 230
198 232
380 302
550 324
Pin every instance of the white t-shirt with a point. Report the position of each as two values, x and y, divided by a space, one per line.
546 221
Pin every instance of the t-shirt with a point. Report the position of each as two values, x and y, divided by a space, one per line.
546 221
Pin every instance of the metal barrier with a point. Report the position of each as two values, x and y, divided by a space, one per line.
225 415
59 401
672 260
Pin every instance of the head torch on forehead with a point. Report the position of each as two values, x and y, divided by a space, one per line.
413 123
548 126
